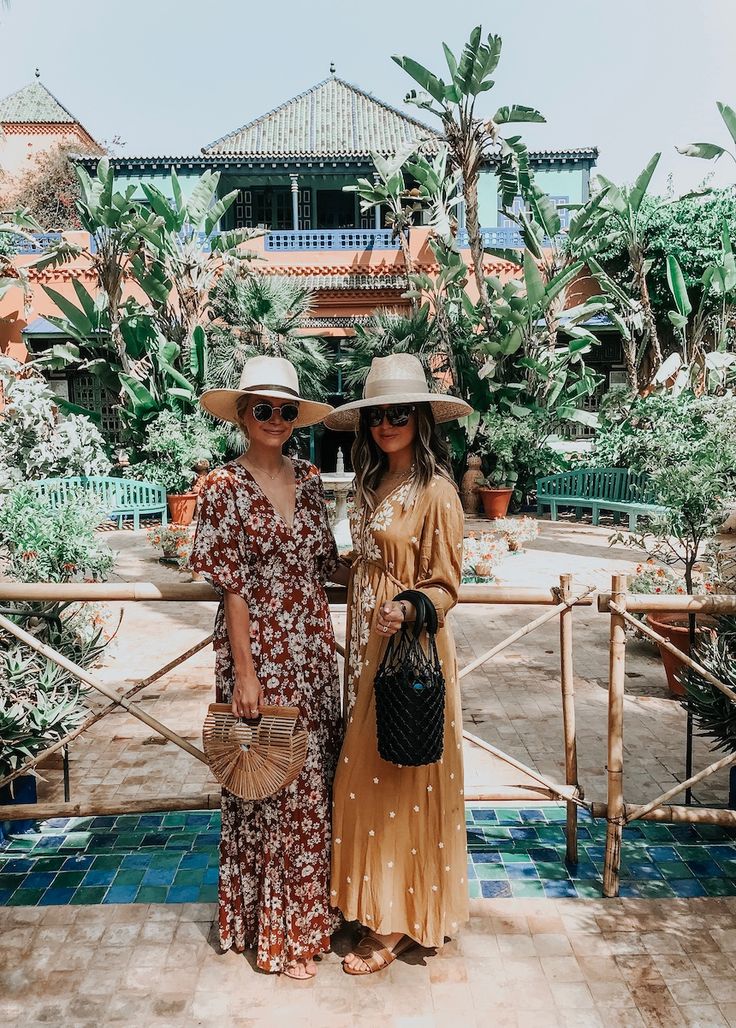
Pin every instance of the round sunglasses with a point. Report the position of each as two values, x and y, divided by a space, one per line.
397 415
265 411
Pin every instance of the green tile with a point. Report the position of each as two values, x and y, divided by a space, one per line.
654 889
208 893
189 876
674 869
653 832
547 869
151 894
526 889
489 872
129 876
107 862
89 894
174 819
729 866
162 860
48 863
474 889
69 879
516 857
692 852
719 886
126 822
25 897
589 889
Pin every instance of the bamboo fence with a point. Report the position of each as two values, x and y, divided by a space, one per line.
561 601
617 813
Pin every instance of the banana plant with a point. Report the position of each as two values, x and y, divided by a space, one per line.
713 151
627 220
525 371
183 255
473 139
390 189
706 364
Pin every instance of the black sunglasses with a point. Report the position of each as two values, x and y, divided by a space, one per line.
265 411
397 414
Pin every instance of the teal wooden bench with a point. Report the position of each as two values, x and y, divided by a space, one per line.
119 497
618 490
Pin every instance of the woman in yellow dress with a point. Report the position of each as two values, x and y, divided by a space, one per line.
399 863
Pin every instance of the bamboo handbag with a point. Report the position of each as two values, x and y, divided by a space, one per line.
255 759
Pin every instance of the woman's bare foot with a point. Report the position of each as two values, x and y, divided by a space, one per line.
301 970
389 941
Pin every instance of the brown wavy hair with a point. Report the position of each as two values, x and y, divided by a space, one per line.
431 457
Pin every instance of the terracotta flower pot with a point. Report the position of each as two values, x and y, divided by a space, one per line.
675 628
182 507
495 501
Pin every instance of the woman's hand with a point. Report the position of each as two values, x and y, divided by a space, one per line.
392 615
247 695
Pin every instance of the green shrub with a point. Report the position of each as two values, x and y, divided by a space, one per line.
173 445
515 452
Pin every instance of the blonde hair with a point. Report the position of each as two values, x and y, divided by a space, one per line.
431 457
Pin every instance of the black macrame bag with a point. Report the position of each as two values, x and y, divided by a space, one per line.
410 691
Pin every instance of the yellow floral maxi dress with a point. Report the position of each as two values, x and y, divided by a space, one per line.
399 859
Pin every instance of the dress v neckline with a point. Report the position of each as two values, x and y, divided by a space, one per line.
297 483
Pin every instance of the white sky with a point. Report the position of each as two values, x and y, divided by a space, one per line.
169 76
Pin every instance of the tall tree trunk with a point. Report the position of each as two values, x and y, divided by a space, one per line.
629 348
636 256
408 264
472 224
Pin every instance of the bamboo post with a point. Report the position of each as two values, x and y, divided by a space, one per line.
567 685
95 683
616 672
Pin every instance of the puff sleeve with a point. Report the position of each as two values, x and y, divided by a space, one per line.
218 551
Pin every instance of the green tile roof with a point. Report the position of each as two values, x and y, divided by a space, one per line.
333 119
34 103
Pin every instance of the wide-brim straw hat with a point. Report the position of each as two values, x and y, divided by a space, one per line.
398 378
273 378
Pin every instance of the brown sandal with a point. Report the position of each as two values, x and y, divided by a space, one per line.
377 956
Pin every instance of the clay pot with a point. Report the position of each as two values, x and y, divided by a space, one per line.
182 507
675 628
495 502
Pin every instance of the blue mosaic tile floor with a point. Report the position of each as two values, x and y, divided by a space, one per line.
513 852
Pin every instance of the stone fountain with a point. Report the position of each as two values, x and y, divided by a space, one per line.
339 482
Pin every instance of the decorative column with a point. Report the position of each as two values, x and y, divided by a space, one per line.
377 209
295 201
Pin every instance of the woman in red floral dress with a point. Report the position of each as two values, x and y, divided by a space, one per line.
263 538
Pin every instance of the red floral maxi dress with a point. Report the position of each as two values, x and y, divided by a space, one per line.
275 853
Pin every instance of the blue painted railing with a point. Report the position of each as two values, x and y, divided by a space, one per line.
498 238
332 239
40 241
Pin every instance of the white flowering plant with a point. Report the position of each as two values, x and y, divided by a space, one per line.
481 556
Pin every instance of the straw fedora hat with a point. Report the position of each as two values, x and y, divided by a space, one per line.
398 378
273 378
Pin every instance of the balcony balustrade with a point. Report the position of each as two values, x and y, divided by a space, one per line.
332 239
38 242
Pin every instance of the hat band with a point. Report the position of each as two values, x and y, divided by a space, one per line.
394 387
272 388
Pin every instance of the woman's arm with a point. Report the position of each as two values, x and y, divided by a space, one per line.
247 691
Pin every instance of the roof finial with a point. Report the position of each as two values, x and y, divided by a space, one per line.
333 69
38 73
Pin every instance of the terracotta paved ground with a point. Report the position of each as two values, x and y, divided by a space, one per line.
512 702
525 963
